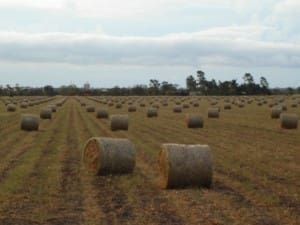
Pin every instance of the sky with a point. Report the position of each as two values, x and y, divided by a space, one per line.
117 42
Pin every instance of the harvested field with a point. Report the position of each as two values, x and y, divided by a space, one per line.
256 165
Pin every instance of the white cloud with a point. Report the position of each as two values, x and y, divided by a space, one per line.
233 46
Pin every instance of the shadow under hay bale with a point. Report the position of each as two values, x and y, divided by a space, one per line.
102 156
185 165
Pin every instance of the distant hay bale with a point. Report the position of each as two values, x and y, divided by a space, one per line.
142 104
131 108
52 107
284 107
194 121
227 106
155 105
90 108
177 109
294 104
29 122
185 106
118 105
152 112
102 114
289 121
185 165
46 113
11 107
102 156
241 105
275 112
83 104
213 113
24 105
196 104
119 122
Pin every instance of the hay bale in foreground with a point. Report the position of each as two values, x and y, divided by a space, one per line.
29 122
213 113
275 112
289 121
102 114
102 156
119 122
194 121
11 107
152 112
185 165
46 113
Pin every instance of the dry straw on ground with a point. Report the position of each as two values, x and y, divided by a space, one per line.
185 165
103 156
194 121
29 122
119 122
289 121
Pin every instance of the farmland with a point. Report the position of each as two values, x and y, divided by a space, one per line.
256 166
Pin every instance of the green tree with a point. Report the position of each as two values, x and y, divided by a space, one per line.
49 90
202 82
154 86
191 83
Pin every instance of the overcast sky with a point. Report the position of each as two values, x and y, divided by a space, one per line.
117 42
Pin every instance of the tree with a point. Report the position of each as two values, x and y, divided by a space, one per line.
168 88
191 83
202 82
248 78
49 90
154 86
264 83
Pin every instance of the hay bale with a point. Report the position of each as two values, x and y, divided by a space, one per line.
131 108
119 122
24 105
11 107
102 156
102 114
289 121
275 112
52 107
284 107
194 121
185 106
118 105
83 104
185 165
152 112
142 104
227 106
196 104
46 113
213 112
29 122
177 109
294 104
90 108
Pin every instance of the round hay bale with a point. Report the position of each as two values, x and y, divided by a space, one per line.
102 114
196 104
131 108
227 106
90 108
152 112
118 105
155 105
102 156
24 105
83 104
185 106
29 122
46 113
284 107
142 104
185 165
294 104
11 107
119 122
275 112
52 107
213 113
289 121
194 121
177 109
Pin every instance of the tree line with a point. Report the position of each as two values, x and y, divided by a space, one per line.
195 85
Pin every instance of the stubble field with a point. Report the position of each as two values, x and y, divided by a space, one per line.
256 167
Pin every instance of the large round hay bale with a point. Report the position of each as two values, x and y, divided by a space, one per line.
46 113
213 113
131 108
152 112
119 122
104 156
185 165
289 121
90 108
227 106
102 113
11 107
177 109
194 121
29 122
275 112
